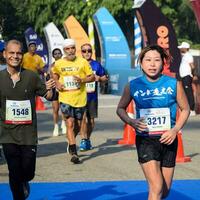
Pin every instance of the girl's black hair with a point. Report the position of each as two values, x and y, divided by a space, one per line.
166 58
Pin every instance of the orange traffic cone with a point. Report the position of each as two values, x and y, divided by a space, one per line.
39 104
129 132
180 157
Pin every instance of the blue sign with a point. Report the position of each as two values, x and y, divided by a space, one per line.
31 35
115 52
1 45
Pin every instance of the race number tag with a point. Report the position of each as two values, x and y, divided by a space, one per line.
90 87
18 112
157 119
70 84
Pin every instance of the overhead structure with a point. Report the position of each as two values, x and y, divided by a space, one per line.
115 52
75 31
196 9
54 39
157 29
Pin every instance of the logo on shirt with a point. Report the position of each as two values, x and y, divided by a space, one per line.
157 92
69 69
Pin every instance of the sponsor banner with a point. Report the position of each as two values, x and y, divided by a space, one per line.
157 29
75 31
196 9
54 39
31 35
115 53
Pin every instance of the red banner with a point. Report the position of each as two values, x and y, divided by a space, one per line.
196 9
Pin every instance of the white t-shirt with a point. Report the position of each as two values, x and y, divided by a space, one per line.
185 68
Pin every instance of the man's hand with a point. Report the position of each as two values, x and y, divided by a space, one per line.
50 84
59 86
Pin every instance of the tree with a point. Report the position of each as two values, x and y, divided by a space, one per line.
16 15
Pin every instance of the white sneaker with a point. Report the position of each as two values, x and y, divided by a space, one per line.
192 113
63 127
56 130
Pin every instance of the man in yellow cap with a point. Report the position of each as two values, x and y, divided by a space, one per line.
31 60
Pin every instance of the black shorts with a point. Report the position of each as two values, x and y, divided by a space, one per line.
55 97
69 111
92 109
150 148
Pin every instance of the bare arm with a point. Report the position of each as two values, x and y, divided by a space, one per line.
192 66
183 105
101 78
50 84
123 104
87 79
169 136
121 111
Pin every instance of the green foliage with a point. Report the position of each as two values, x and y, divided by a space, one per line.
182 19
17 15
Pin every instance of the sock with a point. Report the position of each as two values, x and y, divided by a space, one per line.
72 148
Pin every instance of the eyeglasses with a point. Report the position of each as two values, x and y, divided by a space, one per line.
86 50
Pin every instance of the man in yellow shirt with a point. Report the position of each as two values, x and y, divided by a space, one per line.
31 60
71 74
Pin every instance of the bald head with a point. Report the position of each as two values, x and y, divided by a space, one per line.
16 42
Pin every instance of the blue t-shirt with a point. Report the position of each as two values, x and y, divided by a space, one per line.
99 71
158 94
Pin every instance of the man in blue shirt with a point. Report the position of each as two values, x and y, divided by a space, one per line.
92 98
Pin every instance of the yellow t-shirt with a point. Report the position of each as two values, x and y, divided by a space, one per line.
32 61
74 94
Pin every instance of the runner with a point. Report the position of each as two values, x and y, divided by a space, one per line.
156 97
88 122
57 54
18 136
31 60
71 73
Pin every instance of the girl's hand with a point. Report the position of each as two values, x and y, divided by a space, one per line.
139 124
168 137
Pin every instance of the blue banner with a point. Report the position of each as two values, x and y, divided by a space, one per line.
115 53
31 35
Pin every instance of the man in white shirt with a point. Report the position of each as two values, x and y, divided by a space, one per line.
185 72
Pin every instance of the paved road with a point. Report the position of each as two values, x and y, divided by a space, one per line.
108 160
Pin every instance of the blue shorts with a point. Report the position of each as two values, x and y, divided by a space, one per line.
150 148
74 112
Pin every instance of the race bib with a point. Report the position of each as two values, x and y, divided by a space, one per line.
90 87
70 84
157 119
18 112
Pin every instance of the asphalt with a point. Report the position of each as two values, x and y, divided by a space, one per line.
107 160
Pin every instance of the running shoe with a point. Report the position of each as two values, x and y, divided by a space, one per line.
88 145
56 130
83 145
75 159
63 127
